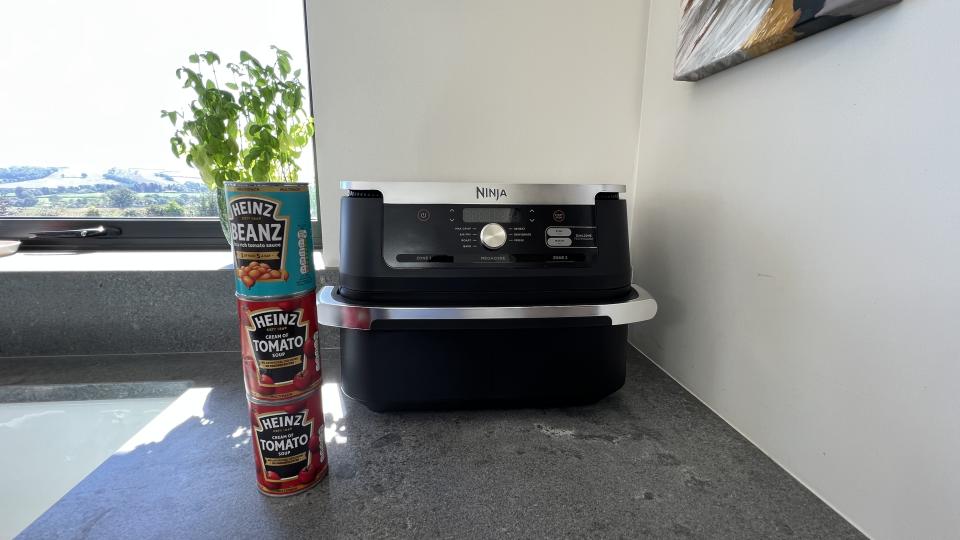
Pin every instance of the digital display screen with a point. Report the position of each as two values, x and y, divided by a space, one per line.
491 215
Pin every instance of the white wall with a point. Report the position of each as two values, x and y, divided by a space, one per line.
798 220
492 90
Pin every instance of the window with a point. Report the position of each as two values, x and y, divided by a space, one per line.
83 144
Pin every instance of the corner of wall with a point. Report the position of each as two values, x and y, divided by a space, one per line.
633 195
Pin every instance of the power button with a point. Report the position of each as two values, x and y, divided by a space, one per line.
423 214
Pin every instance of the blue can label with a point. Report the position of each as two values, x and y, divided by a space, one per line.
271 237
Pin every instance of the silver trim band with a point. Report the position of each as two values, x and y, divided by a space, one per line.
483 193
334 312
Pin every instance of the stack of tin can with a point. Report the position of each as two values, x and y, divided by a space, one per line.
276 303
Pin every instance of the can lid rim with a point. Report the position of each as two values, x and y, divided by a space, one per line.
260 184
279 403
274 298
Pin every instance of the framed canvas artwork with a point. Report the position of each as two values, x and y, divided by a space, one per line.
718 34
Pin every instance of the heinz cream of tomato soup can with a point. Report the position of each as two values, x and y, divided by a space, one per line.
271 238
288 447
278 344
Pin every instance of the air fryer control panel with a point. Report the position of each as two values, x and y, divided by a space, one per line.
511 236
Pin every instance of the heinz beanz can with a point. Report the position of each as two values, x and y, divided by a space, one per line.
278 343
288 448
271 237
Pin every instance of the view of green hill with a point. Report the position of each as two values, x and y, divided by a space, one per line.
116 192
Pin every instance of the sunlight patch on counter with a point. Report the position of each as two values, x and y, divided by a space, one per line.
188 405
333 407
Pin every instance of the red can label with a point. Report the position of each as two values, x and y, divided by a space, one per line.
289 451
281 360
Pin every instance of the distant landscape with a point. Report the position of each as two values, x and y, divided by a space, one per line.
36 191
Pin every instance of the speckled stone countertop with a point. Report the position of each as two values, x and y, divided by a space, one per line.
648 461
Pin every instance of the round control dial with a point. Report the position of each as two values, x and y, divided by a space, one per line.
493 236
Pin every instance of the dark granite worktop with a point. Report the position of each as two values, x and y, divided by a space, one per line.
648 461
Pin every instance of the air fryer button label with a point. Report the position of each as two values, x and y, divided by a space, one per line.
423 258
565 258
495 258
571 237
584 236
518 235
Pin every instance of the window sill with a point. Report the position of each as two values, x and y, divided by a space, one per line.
123 261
